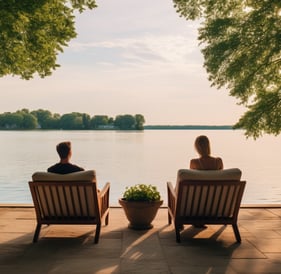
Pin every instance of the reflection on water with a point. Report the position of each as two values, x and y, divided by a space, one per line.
127 158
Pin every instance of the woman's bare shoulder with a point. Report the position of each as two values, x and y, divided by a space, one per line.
194 163
219 162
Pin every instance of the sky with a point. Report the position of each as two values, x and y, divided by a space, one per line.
129 57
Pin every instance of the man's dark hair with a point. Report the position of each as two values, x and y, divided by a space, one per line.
63 149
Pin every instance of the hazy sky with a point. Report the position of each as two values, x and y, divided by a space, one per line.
129 57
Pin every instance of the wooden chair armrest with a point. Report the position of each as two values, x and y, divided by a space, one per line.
171 190
104 199
105 190
171 196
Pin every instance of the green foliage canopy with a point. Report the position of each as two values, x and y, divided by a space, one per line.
33 32
99 120
241 42
139 121
129 122
44 119
21 119
47 120
126 121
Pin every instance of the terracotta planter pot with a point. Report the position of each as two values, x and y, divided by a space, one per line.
140 214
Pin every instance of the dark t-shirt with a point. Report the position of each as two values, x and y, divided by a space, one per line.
64 168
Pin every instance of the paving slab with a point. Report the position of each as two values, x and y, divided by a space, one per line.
71 249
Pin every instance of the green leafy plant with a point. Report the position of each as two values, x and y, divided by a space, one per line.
141 192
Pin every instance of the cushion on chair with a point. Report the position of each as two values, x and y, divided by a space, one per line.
224 174
207 175
41 176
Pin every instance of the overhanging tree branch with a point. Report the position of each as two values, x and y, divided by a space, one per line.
242 42
34 32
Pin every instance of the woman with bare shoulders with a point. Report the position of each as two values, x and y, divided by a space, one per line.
205 161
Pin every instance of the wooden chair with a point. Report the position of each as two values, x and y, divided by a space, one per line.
69 199
205 197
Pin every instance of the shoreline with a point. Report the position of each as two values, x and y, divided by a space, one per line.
30 205
148 127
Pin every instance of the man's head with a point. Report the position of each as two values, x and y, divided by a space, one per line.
64 150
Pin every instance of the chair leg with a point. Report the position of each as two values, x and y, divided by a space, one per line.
106 219
36 233
178 235
169 218
97 235
236 232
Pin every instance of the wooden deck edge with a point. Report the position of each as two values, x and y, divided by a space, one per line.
242 206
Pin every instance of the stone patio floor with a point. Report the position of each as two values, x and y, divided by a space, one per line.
70 248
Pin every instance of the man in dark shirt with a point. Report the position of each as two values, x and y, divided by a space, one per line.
64 166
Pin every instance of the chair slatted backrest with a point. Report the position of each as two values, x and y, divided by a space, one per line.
65 197
207 199
62 200
209 194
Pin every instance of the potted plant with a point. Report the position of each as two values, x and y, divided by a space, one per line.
141 203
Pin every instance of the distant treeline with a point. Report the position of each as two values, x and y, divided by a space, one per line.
44 119
201 127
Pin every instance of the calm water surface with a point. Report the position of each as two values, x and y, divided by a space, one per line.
126 158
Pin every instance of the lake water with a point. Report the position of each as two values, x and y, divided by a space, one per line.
125 158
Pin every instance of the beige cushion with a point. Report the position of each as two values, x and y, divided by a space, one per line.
224 174
88 175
